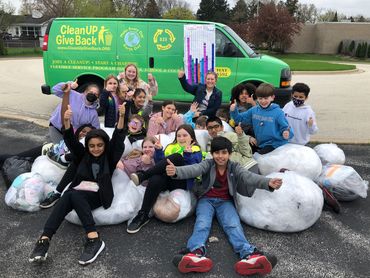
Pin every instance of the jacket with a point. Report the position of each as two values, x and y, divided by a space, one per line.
199 93
107 161
298 119
268 124
170 125
239 179
82 113
108 108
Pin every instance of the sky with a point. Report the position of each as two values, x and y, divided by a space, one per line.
346 7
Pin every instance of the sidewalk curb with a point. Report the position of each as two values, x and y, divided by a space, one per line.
328 72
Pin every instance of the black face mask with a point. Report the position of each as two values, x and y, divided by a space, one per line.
91 97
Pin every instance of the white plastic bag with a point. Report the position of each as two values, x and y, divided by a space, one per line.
128 146
48 170
298 158
126 202
296 206
202 138
27 191
166 139
342 178
174 206
330 153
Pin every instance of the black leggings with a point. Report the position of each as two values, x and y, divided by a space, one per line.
81 201
159 181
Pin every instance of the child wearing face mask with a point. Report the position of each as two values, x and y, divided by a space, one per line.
136 129
83 106
300 116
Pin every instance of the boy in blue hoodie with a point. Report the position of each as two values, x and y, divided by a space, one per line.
267 119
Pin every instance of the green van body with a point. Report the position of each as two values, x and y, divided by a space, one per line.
91 48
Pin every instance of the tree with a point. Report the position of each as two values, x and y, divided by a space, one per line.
239 13
55 8
335 19
307 13
206 10
274 26
292 6
152 10
6 19
214 10
329 16
166 5
179 13
26 7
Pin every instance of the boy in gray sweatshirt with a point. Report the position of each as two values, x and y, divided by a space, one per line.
221 180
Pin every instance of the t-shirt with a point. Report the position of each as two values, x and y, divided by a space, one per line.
220 188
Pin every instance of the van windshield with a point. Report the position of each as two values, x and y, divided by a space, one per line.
241 42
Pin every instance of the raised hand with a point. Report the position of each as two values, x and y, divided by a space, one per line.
194 107
68 113
286 134
251 101
121 75
188 148
66 88
151 79
120 165
238 129
275 183
310 122
74 84
180 73
158 144
146 159
170 168
233 105
149 96
122 109
159 120
252 141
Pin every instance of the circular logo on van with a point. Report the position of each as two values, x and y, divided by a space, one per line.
131 38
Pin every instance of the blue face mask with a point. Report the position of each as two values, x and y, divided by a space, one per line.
297 102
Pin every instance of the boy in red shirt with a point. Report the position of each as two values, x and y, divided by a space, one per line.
221 179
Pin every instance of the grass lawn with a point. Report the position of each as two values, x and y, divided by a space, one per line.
12 51
316 62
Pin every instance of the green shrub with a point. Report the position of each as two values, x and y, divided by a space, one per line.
3 50
351 47
340 47
363 50
368 52
358 50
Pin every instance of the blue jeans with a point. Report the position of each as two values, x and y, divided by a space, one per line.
229 220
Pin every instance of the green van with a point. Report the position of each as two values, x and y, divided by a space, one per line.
91 48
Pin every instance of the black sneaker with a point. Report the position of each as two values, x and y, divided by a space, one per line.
50 200
137 178
92 249
40 252
55 159
139 221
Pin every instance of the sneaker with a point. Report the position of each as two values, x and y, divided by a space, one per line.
191 262
55 159
137 178
92 249
256 263
40 252
139 221
50 200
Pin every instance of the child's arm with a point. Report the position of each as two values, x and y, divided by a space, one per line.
58 89
155 125
311 123
243 142
192 157
283 125
75 147
103 101
245 117
117 143
188 171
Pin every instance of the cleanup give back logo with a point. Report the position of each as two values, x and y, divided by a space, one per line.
89 37
132 38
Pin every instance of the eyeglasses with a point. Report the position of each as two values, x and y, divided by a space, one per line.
213 127
135 124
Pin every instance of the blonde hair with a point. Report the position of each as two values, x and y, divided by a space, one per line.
137 153
136 80
109 77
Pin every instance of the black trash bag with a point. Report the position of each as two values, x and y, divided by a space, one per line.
14 166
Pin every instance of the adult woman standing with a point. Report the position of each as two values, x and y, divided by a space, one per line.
206 95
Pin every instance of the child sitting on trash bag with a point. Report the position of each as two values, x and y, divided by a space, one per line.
91 187
221 180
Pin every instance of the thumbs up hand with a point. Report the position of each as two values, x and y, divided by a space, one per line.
239 130
233 105
170 168
68 114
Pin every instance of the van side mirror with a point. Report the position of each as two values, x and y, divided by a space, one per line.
45 89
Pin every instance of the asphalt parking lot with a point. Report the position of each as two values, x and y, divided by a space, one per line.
337 245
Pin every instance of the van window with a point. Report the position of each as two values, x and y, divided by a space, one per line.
224 47
250 52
